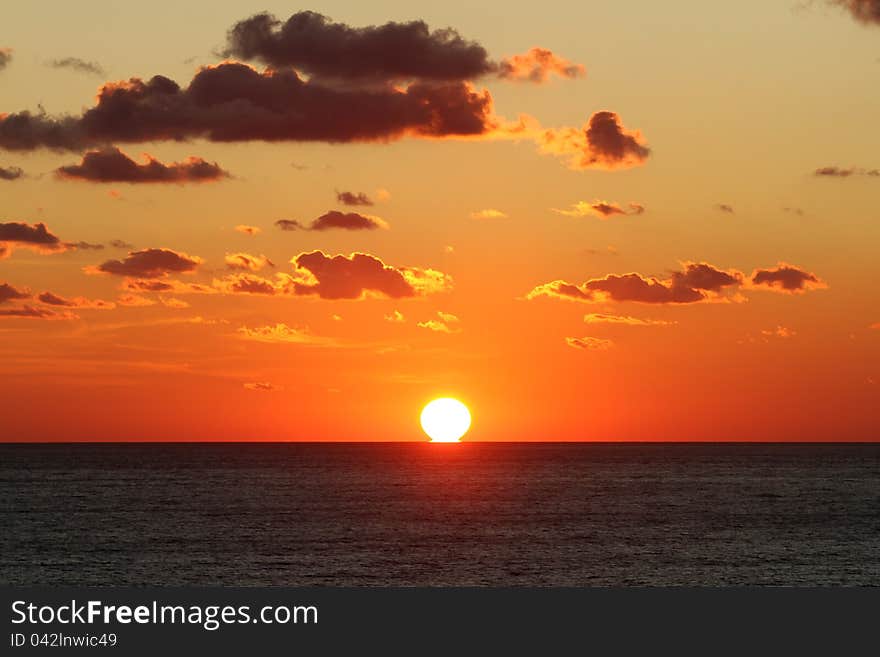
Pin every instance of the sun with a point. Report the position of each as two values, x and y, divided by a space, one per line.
445 420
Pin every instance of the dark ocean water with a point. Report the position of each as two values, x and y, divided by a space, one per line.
421 514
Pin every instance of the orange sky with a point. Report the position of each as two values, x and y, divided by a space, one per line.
636 223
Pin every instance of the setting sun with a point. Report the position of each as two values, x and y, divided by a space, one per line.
445 420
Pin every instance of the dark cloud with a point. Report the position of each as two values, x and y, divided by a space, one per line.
84 246
609 143
9 293
702 276
5 57
112 165
353 198
335 220
10 173
247 262
25 131
150 263
290 224
608 209
140 285
37 238
252 284
30 312
232 102
604 143
52 299
121 244
78 65
316 45
347 221
724 207
331 83
164 285
537 65
840 172
786 278
696 282
360 275
602 209
864 11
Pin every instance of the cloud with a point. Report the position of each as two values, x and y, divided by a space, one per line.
112 165
723 207
840 172
279 333
320 47
446 323
248 230
84 246
601 209
30 312
252 284
52 299
347 221
290 224
11 173
600 318
263 386
395 318
332 83
864 11
9 293
149 263
246 261
79 65
5 57
488 213
786 278
121 244
361 275
315 44
171 302
353 198
779 332
134 300
36 238
336 220
695 283
166 285
603 143
608 250
537 65
232 102
589 344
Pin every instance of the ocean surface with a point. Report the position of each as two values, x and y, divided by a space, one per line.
420 514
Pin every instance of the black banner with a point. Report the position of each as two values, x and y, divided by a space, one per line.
149 621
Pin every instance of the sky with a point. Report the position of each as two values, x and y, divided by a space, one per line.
590 221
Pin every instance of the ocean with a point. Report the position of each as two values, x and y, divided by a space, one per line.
417 514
